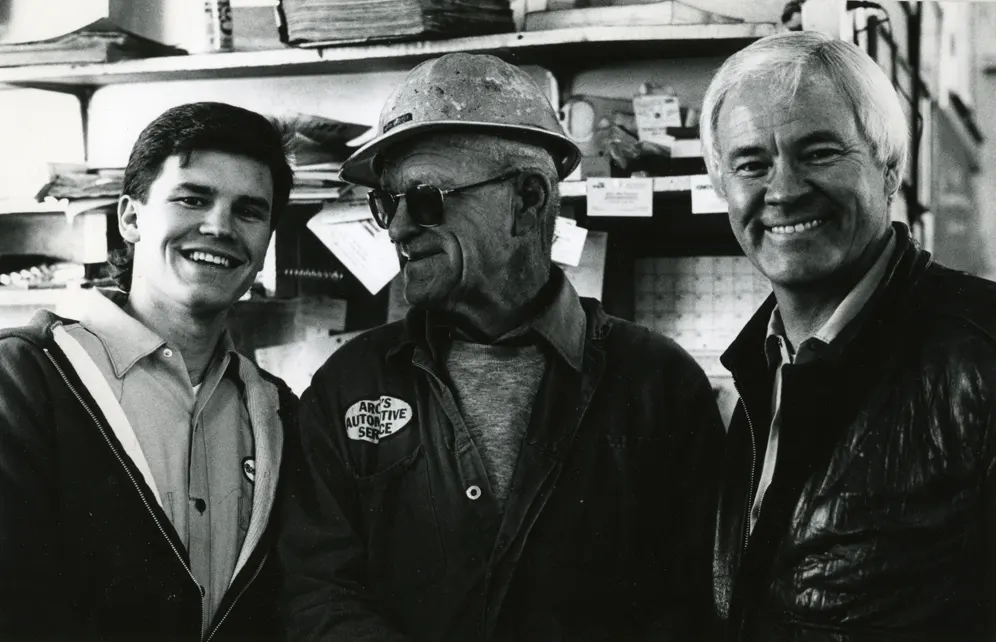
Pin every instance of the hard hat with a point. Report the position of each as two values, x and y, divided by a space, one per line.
472 92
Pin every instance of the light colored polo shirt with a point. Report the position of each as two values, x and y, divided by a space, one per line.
198 443
779 353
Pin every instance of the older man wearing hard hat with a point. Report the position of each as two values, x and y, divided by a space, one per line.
508 462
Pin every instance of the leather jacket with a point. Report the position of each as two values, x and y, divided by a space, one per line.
879 522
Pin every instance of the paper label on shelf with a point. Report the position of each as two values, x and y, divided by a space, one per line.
705 200
689 148
93 232
620 197
654 114
362 246
589 275
342 212
568 241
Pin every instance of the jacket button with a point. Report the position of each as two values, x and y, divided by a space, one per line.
474 492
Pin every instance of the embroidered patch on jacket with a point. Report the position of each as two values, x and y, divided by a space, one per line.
249 469
374 419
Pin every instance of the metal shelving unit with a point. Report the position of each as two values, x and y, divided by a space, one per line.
561 47
562 51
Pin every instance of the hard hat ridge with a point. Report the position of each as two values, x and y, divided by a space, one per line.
460 91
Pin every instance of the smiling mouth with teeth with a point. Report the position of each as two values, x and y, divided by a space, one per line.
795 229
209 259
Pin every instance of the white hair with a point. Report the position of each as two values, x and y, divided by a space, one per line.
784 59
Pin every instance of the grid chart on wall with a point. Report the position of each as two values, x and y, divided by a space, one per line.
701 302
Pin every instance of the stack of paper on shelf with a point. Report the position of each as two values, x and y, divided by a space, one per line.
627 13
348 230
318 182
316 147
329 22
76 181
99 41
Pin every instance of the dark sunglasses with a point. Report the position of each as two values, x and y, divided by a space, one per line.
425 202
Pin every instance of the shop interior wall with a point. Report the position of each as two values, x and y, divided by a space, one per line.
985 39
985 183
117 113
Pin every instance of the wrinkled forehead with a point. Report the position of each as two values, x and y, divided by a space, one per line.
442 153
216 172
777 105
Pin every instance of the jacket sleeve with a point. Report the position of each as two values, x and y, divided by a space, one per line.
325 594
989 497
694 417
29 522
990 533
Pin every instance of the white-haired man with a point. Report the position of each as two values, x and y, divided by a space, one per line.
509 462
858 494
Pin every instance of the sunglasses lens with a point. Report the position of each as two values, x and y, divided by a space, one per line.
383 206
425 204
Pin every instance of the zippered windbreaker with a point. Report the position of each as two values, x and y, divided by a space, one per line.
86 551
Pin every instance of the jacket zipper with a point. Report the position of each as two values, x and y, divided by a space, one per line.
753 466
231 606
138 488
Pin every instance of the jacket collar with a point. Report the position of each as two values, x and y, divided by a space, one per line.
907 264
560 323
848 310
125 339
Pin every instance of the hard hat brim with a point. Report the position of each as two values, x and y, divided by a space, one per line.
361 167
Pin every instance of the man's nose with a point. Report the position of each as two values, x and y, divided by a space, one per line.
218 220
785 184
402 226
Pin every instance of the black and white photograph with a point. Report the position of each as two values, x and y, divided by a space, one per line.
498 320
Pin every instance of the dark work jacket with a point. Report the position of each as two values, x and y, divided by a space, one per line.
86 552
879 521
605 533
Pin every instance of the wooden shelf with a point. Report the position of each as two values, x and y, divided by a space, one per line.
557 47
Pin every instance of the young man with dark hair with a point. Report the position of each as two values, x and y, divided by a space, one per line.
139 452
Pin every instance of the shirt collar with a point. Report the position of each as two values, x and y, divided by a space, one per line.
846 311
560 322
776 348
126 339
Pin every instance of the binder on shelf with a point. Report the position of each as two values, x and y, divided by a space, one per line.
665 12
99 41
317 23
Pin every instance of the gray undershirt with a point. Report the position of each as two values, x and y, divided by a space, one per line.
495 387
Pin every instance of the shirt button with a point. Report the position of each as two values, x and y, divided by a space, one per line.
167 353
474 492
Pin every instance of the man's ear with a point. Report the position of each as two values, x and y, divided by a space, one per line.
892 180
716 178
128 219
532 197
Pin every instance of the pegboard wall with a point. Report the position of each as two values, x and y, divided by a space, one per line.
701 302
